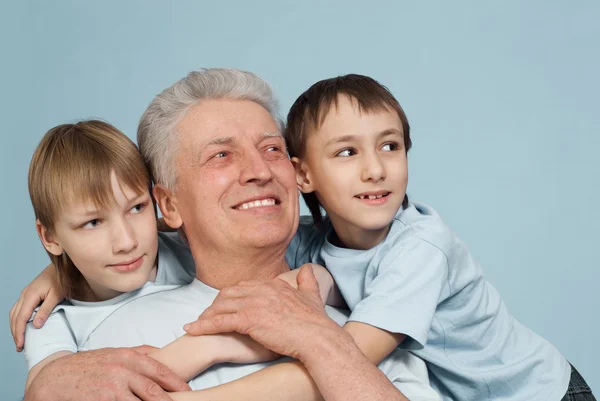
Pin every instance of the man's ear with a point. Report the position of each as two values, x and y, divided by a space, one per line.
48 239
167 202
302 175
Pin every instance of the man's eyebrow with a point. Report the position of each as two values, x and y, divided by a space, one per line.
220 141
274 134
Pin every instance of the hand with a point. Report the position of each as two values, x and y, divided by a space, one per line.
44 289
116 374
324 278
273 313
239 348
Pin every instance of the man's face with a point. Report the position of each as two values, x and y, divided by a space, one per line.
235 186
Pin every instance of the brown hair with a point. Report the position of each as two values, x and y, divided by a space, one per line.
73 163
311 108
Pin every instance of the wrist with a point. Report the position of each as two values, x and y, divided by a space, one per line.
327 347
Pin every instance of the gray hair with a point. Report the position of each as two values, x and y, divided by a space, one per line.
156 134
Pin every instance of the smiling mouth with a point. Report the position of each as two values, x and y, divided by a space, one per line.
373 196
257 203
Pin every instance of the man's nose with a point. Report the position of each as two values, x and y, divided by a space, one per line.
255 168
373 168
124 238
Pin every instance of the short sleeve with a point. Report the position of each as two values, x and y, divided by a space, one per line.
409 374
404 294
54 336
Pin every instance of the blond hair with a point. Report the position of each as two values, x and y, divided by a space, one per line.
73 163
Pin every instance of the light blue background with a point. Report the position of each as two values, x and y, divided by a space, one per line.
502 97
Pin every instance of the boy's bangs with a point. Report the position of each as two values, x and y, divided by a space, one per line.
87 187
84 175
365 104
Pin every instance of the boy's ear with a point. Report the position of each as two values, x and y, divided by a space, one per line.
167 202
48 239
302 175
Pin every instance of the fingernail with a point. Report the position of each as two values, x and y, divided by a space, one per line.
186 327
39 321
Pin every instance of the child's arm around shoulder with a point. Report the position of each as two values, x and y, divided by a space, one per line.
43 289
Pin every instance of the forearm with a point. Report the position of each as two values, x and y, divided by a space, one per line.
374 343
188 356
341 371
282 382
36 369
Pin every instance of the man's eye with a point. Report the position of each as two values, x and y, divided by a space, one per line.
138 208
91 224
220 155
389 147
274 149
345 153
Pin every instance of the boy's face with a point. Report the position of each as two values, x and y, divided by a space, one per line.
115 249
357 166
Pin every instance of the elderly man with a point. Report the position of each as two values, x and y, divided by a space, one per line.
214 145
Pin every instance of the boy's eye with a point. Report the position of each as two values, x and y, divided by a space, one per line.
138 208
389 147
91 224
345 153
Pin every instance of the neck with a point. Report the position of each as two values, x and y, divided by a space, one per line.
219 269
350 236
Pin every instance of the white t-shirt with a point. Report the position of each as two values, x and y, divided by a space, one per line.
71 322
136 323
155 314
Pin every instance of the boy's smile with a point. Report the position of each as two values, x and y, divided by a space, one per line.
357 166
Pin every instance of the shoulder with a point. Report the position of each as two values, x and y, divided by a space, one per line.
419 224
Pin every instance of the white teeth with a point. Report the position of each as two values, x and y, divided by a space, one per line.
257 203
371 197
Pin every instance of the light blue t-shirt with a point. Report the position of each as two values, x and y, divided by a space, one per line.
71 323
423 282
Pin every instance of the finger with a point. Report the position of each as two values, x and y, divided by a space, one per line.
307 282
146 390
237 291
127 397
215 325
224 306
17 328
50 302
22 316
157 373
250 283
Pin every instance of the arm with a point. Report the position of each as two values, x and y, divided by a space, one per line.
374 343
36 369
293 322
188 356
44 288
103 374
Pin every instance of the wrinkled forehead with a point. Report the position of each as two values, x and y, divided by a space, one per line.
224 121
